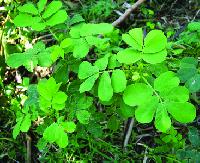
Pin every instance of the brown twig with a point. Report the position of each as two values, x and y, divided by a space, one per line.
28 146
127 13
128 133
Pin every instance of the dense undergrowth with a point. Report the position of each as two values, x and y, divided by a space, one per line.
75 88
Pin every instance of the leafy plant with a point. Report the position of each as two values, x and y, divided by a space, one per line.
40 17
159 100
38 55
151 49
188 74
191 152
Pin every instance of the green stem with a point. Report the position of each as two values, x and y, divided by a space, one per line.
145 80
54 35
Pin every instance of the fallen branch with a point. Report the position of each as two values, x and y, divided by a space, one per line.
127 13
128 133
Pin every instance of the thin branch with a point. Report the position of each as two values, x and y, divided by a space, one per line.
127 13
28 146
128 133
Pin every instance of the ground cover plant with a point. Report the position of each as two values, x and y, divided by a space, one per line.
78 84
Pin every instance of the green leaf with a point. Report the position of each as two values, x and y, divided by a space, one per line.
86 70
52 8
15 60
95 29
193 84
119 81
154 42
84 102
44 59
166 81
113 123
94 40
182 112
128 56
28 8
154 58
102 63
162 120
81 48
83 116
38 26
44 104
17 127
145 112
134 38
26 123
59 98
105 90
66 43
47 88
177 94
41 4
58 18
187 68
62 141
56 53
194 26
23 20
126 111
193 136
61 73
88 83
113 63
69 127
51 133
137 94
186 73
188 61
29 59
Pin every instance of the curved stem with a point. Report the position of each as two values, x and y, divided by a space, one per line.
145 80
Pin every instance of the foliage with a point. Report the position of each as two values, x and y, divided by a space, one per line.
190 152
42 16
99 79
